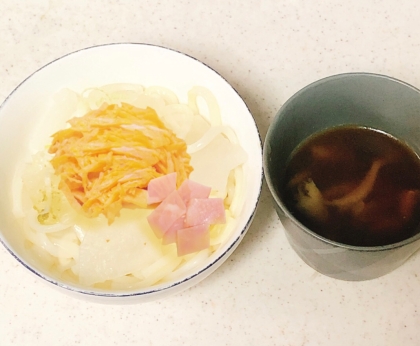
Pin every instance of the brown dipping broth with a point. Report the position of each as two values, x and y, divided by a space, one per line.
355 185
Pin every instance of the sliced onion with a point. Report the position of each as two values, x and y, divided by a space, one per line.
64 264
67 243
45 258
178 118
124 282
111 88
230 189
168 95
126 96
199 127
144 101
75 269
239 192
219 157
17 191
66 100
95 98
189 265
222 237
32 220
213 109
210 135
80 233
41 240
158 270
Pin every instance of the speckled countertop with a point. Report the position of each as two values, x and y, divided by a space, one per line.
264 294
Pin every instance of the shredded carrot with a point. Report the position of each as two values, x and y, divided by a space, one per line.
107 158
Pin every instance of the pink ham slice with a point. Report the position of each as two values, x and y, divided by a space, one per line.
166 214
190 189
205 211
193 239
183 216
159 188
170 235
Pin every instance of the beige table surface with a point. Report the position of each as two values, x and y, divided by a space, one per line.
264 294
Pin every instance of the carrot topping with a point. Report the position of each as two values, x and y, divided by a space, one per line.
108 156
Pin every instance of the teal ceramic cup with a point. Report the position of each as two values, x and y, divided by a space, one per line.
360 99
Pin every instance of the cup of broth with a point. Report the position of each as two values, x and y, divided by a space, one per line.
341 159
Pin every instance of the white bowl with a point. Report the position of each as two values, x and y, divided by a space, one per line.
121 63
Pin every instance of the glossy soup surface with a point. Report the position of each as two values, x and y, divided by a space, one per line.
356 186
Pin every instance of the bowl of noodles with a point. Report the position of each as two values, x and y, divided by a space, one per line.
129 172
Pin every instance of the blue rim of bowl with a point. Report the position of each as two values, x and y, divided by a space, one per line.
274 193
176 283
